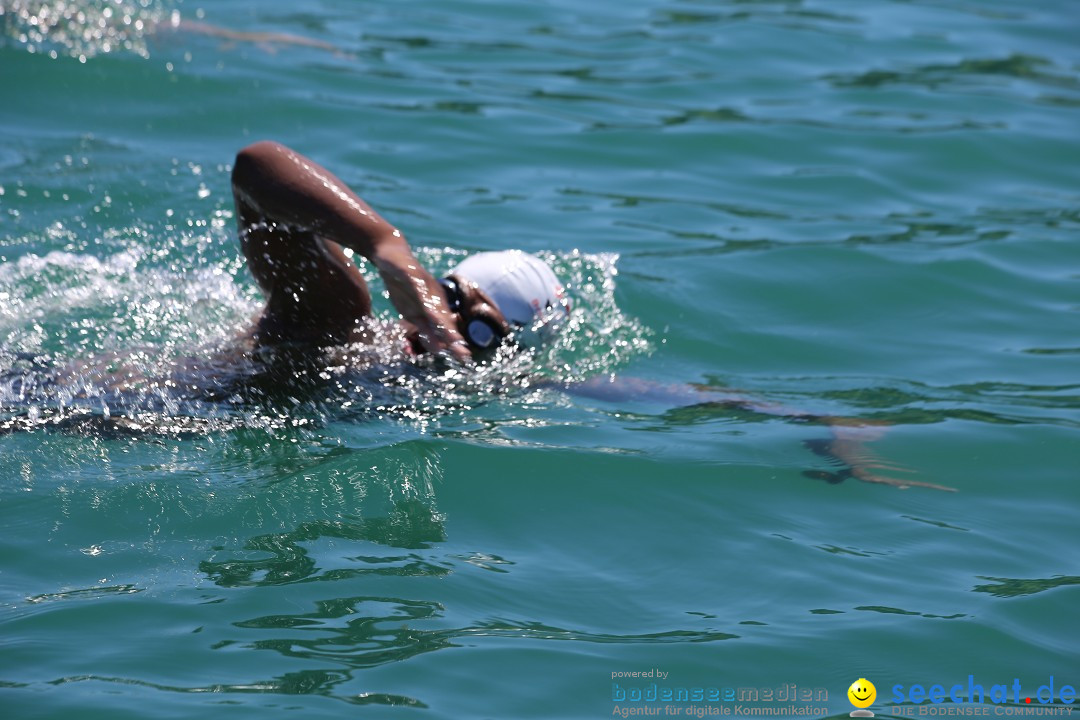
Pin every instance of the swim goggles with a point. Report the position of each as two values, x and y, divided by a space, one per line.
482 333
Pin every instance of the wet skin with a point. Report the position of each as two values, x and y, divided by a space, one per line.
295 219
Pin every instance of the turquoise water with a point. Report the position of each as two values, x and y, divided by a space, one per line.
856 209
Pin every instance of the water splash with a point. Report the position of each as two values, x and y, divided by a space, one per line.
85 28
122 345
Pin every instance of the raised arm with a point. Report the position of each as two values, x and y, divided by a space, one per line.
273 184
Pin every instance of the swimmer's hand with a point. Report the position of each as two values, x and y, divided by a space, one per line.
416 294
848 446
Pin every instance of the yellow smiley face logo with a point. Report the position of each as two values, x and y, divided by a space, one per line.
862 693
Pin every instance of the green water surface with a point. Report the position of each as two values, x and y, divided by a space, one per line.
857 209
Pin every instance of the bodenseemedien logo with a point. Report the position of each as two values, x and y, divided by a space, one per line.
862 694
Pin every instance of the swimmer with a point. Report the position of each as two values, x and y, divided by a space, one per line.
299 227
296 220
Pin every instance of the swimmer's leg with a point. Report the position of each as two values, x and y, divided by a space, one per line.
314 292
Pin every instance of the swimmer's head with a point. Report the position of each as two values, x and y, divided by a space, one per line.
524 290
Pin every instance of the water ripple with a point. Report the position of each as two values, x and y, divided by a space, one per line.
411 525
302 682
1015 587
85 593
358 639
934 76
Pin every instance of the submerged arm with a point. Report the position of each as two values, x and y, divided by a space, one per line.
265 40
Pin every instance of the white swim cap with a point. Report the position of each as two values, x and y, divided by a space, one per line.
524 288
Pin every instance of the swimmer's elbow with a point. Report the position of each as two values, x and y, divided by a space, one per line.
256 161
